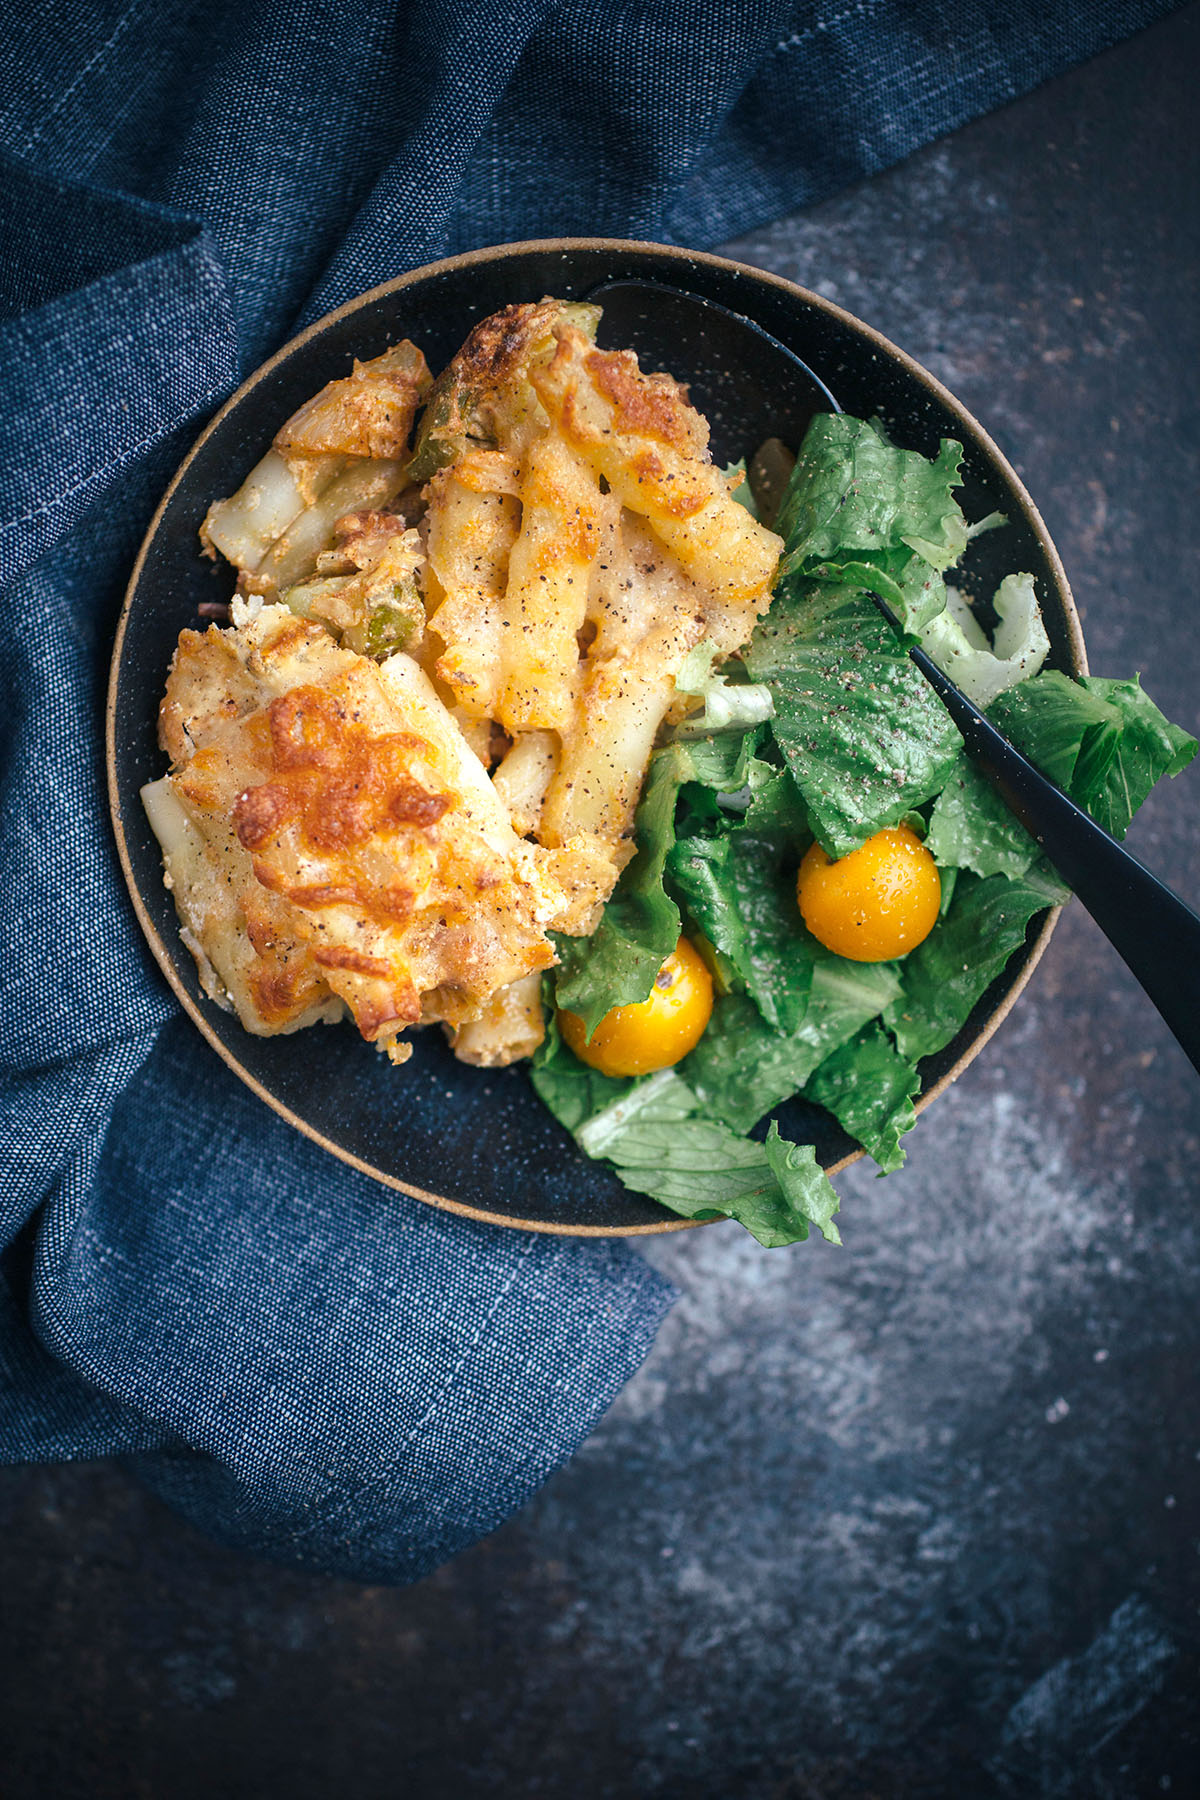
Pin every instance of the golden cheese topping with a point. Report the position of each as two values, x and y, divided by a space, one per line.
327 801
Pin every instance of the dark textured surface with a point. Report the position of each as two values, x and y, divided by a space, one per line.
919 1518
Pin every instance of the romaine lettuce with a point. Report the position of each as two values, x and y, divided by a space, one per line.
854 491
913 588
944 977
863 741
728 705
653 1134
639 926
970 827
869 1088
958 644
1103 741
739 886
861 730
741 1067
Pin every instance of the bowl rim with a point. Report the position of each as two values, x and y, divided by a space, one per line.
466 260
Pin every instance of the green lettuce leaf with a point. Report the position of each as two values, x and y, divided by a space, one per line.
729 705
741 1067
1051 718
740 888
568 1088
869 1088
651 1132
776 808
724 773
699 1168
852 490
1103 741
949 882
959 646
970 827
1148 747
864 735
640 925
659 1099
944 977
912 587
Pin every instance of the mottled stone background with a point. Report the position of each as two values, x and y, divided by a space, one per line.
916 1518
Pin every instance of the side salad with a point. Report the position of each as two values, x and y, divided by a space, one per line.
826 734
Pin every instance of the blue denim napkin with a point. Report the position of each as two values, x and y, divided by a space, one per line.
303 1363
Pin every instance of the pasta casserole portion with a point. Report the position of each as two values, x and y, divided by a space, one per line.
416 750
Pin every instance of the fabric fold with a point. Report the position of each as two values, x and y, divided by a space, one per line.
365 1382
119 330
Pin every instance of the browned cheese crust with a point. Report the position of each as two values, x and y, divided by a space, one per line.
367 413
359 866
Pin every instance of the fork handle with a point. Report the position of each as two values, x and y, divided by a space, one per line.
1149 927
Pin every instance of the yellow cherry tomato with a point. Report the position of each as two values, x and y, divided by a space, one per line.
879 902
651 1034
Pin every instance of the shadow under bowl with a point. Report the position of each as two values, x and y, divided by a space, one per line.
476 1141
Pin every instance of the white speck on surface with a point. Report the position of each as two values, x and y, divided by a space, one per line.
1058 1409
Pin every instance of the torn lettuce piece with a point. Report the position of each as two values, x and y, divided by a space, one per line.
970 827
728 705
776 1189
741 1067
963 954
729 766
958 644
572 1090
766 799
651 1131
949 879
863 733
1103 741
913 588
869 1088
777 806
990 522
852 490
1148 746
654 1099
740 889
1052 718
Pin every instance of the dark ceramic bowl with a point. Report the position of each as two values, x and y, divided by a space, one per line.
480 1142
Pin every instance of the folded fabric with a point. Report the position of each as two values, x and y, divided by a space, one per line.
302 1362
